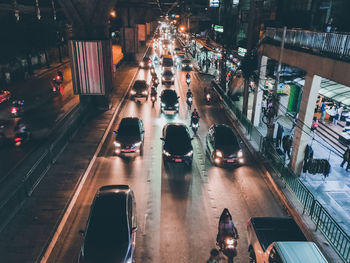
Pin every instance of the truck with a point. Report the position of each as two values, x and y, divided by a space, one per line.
280 240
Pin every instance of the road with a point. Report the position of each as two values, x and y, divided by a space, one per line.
42 109
177 210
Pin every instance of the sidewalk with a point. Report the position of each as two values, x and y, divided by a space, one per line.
41 213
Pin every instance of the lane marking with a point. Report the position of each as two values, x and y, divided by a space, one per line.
60 227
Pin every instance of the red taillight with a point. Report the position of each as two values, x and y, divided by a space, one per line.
58 77
14 110
17 139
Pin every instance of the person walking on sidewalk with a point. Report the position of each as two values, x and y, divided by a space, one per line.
279 135
323 111
346 158
314 124
287 144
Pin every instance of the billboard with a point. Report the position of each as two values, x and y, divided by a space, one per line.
214 3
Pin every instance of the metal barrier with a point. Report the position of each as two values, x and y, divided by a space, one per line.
332 44
338 239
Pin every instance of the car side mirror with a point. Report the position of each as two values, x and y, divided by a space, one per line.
162 138
82 233
134 229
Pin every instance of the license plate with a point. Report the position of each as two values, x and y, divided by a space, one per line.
230 160
169 112
128 150
177 160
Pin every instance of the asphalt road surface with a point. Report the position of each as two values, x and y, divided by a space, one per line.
177 210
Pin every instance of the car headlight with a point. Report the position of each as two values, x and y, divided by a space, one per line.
117 144
166 153
190 65
138 144
132 92
183 65
190 153
144 92
142 64
163 105
218 153
163 78
177 105
240 154
172 78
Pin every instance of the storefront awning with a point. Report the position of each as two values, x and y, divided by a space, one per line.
335 91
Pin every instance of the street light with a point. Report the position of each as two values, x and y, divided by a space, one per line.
113 14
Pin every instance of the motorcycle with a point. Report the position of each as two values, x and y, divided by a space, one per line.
21 137
229 247
17 108
189 102
207 98
188 81
195 125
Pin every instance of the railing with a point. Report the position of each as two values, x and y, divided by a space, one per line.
338 239
330 44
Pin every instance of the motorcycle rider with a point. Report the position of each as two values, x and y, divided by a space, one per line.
194 115
189 94
21 129
154 92
226 227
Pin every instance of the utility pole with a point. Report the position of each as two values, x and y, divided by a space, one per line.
275 98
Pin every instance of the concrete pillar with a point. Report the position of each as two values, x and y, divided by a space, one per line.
306 113
258 92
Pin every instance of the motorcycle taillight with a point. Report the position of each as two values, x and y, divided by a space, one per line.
17 139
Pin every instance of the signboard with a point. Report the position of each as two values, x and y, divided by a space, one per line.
218 28
213 3
235 2
242 51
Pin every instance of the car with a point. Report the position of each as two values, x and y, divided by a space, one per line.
169 102
129 137
139 90
177 146
186 65
222 146
110 232
146 63
167 62
4 95
168 77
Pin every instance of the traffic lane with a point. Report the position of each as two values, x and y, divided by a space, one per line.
142 173
243 190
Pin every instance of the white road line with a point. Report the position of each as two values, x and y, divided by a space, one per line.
80 186
144 224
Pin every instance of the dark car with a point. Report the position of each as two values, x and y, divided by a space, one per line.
168 77
223 146
139 90
169 102
146 63
186 65
110 232
177 145
129 137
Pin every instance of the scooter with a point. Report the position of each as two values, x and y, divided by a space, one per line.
17 108
21 137
188 81
207 98
195 125
229 247
189 102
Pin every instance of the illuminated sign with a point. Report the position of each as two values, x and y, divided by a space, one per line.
218 28
235 2
213 3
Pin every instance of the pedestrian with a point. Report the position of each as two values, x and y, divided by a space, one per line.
314 124
287 144
279 136
332 113
346 158
264 105
340 111
329 25
308 156
214 256
323 111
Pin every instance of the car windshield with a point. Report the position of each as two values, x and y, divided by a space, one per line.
168 73
167 62
139 85
225 137
186 61
108 222
128 130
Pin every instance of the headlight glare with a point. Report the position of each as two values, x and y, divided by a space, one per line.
190 153
218 153
117 144
166 153
240 154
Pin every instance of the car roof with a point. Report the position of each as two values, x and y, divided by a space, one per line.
113 189
167 72
300 252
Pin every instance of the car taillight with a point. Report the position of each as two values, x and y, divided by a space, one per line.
58 77
14 110
17 139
